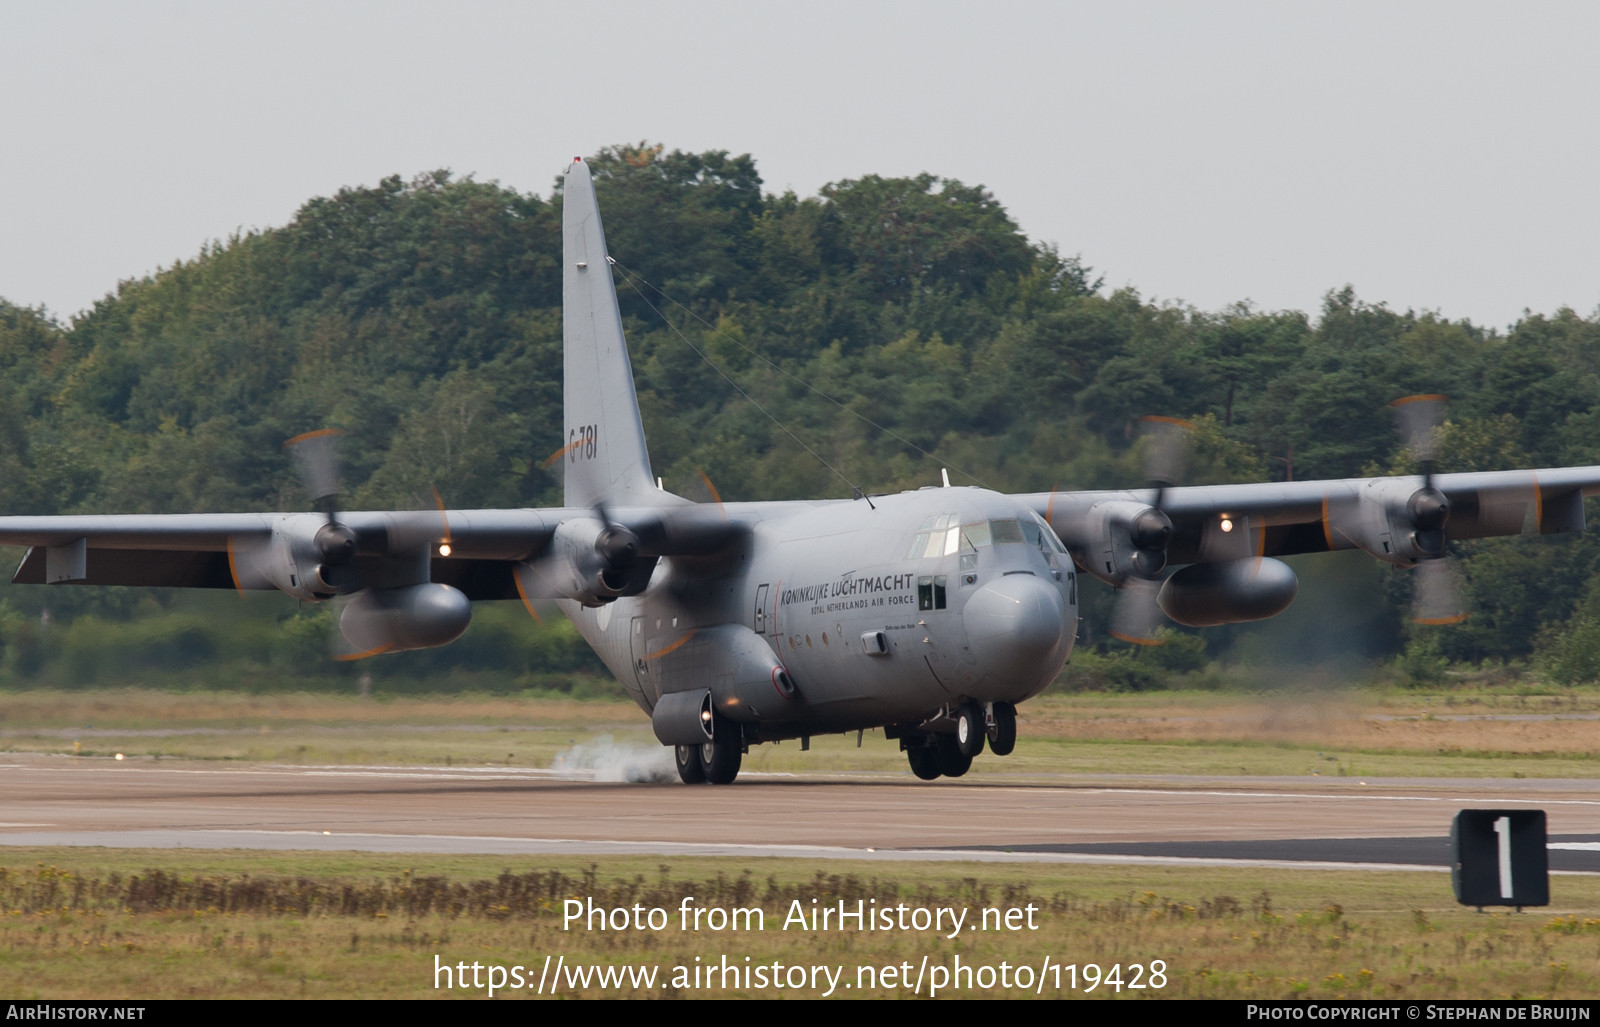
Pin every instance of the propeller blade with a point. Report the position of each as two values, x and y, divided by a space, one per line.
1341 513
1166 450
247 556
316 459
701 490
444 515
1419 418
358 632
1135 615
1437 595
413 529
542 581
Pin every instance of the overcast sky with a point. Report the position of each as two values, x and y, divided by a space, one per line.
1434 155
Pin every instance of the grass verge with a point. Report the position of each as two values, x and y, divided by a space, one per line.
90 923
1378 734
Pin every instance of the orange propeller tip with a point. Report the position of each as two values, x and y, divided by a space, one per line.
1131 640
319 433
563 451
1431 397
349 657
715 495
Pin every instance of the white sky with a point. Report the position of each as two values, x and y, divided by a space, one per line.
1434 155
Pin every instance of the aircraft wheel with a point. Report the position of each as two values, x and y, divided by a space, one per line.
969 730
924 762
720 757
952 761
1003 733
687 757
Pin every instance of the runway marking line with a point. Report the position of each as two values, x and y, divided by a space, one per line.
536 773
569 846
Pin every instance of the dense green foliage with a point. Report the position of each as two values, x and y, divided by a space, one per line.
424 317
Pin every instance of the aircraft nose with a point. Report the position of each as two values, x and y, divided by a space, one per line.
1014 624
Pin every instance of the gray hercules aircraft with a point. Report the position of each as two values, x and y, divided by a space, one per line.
930 614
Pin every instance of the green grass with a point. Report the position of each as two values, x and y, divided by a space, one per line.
1167 733
1221 932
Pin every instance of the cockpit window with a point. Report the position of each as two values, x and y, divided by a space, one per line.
938 535
1005 532
943 534
1051 540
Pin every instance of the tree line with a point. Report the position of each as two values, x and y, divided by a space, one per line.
895 325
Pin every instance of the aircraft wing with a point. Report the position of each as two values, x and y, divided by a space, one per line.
475 551
1374 514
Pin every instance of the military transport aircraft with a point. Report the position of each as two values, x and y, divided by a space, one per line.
930 614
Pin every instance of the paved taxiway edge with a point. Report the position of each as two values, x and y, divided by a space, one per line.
468 844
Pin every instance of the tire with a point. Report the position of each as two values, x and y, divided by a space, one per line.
924 762
952 761
970 728
1003 734
720 757
687 757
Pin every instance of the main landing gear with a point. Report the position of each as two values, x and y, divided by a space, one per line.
935 755
715 762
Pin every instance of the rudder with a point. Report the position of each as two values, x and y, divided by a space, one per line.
604 454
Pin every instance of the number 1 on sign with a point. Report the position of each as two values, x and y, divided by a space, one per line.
1502 827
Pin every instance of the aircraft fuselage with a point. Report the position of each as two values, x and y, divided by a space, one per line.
881 614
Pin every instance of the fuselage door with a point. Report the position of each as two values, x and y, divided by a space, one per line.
641 666
761 610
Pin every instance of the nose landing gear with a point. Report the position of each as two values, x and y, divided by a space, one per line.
924 762
970 729
952 761
935 756
1003 728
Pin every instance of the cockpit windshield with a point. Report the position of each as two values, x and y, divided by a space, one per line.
943 534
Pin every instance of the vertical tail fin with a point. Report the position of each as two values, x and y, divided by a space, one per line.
605 456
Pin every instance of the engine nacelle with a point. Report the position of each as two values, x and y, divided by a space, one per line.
1122 539
1233 592
386 620
1396 520
598 563
295 558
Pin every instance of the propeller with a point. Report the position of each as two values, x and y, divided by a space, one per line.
595 566
316 458
1437 595
618 550
592 572
1399 523
1135 614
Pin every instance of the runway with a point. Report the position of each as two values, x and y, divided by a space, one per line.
1292 822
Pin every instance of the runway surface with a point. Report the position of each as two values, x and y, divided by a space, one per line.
1294 822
